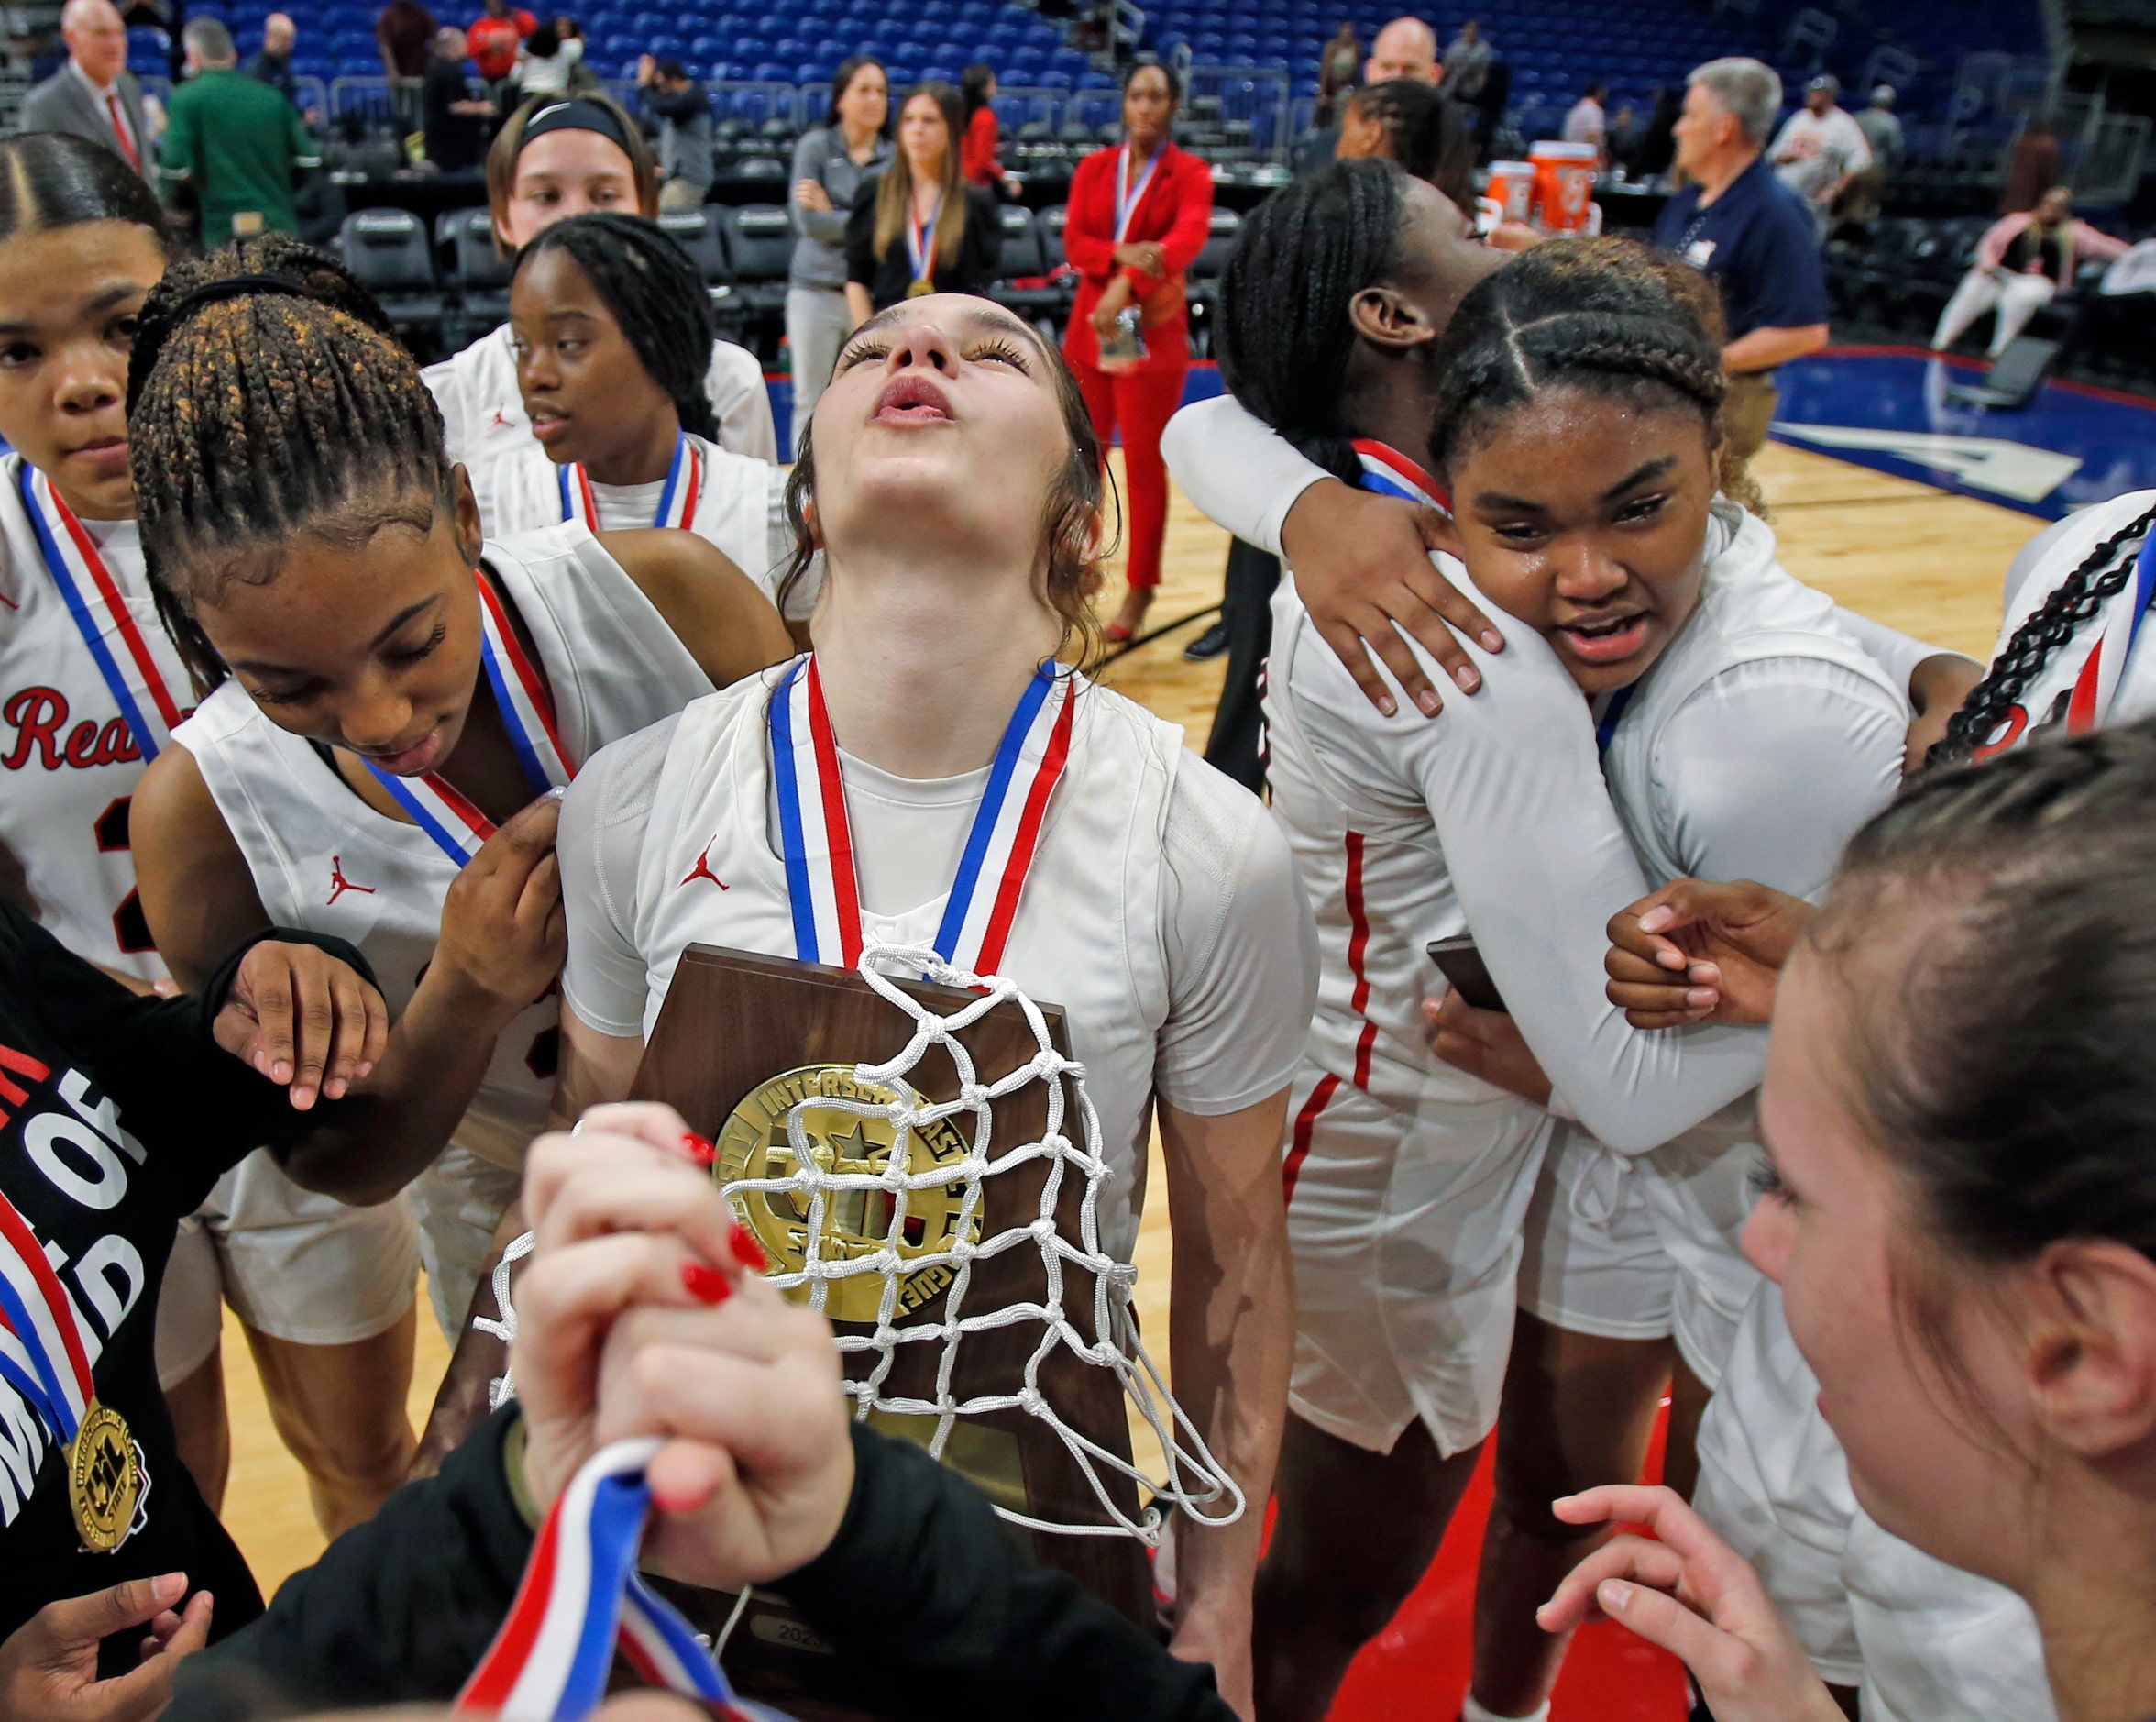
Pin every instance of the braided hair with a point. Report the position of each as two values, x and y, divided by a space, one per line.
267 397
1283 337
1606 314
51 180
656 292
1424 133
2100 576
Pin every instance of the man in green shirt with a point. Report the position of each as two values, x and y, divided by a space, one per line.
236 143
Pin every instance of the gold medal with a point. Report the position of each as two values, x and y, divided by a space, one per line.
753 1144
919 289
105 1479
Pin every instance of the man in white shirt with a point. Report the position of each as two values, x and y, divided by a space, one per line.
95 95
1586 123
1819 150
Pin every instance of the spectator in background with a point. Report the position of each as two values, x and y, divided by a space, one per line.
2021 263
1412 124
1752 235
272 65
494 40
831 165
1467 64
541 69
93 96
1819 150
976 156
1881 133
1586 123
405 33
455 119
1657 143
2032 165
1406 47
570 34
923 229
1624 139
1338 62
684 112
237 145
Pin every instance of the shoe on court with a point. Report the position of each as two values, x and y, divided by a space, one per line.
1207 645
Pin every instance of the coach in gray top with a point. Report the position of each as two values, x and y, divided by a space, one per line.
95 95
830 167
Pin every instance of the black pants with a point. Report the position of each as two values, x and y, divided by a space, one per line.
1236 745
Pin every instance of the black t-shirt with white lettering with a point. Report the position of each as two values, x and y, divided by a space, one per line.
117 1114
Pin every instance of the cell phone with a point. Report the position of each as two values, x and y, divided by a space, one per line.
1461 964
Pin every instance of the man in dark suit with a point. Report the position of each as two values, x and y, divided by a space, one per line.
95 95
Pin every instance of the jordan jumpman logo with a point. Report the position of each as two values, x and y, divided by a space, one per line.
501 418
702 870
339 884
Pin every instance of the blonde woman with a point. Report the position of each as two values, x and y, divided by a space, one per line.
922 229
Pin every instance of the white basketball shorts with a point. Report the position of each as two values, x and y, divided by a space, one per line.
1407 1240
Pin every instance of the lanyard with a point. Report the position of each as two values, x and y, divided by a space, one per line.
1611 714
41 1353
817 840
1128 197
435 805
1385 468
920 248
677 501
87 585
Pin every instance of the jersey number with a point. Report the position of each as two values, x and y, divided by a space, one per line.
130 925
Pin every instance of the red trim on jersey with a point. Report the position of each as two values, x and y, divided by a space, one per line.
838 836
1027 838
1357 947
138 648
1306 1123
2080 711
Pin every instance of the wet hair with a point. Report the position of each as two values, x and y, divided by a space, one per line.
268 397
51 180
842 80
509 143
1165 68
2023 1113
2079 598
1283 337
893 192
1606 315
973 87
1071 512
656 295
1425 134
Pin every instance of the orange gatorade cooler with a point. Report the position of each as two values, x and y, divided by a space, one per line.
1512 189
1564 185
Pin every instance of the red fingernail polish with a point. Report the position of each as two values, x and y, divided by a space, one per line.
699 1148
706 1283
746 1250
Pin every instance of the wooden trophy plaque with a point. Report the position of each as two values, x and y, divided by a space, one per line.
737 1045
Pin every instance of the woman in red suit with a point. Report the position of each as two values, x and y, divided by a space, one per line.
1138 217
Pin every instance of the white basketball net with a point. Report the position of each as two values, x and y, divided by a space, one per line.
1102 1333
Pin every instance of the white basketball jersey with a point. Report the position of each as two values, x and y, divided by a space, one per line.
68 761
733 501
1088 933
483 414
324 859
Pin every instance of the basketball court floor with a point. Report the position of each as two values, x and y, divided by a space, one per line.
1884 495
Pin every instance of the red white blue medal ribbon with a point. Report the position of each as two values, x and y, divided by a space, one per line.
920 249
2098 683
527 713
581 1602
1386 470
1128 197
95 602
677 501
818 841
41 1354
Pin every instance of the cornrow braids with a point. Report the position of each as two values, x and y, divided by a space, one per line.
267 397
2080 596
1425 134
656 292
1284 338
1607 314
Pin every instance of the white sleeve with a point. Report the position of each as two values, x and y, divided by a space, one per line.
1897 653
1540 863
741 401
604 819
1238 470
1767 771
445 382
1242 949
2032 556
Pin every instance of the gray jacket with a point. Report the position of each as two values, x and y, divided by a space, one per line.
65 102
819 254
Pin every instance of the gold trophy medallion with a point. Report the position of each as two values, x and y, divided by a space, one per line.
105 1479
919 289
753 1144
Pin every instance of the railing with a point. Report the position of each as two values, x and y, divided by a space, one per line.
1243 95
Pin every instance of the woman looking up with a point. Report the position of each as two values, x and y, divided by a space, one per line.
556 157
924 229
1138 217
832 164
953 485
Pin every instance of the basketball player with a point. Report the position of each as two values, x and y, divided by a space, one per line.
90 690
610 325
951 479
387 691
1409 1182
557 156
